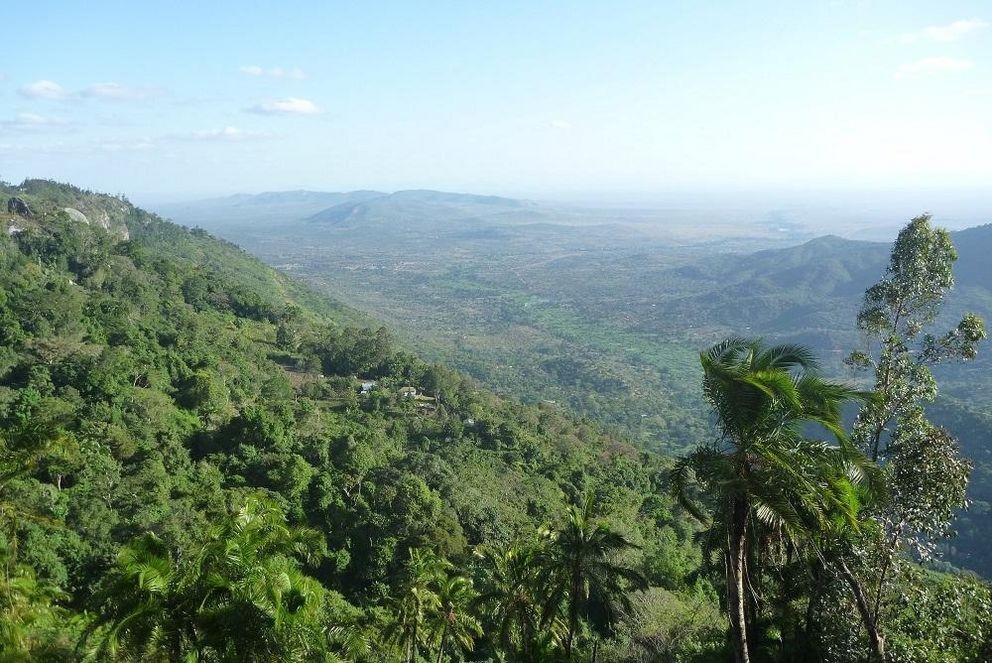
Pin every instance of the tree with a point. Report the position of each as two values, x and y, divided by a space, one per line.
29 610
763 467
925 477
510 597
579 570
455 596
30 614
239 596
256 602
140 608
416 602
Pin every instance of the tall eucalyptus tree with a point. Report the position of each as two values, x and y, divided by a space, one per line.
925 476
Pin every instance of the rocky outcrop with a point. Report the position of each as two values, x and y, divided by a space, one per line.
102 220
17 206
75 215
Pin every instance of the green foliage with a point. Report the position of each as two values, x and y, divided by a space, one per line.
192 470
150 382
764 479
238 595
579 573
605 319
924 475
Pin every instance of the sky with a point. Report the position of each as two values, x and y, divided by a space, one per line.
181 99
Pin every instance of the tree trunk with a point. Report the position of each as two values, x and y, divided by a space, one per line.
573 611
440 649
736 552
414 649
876 641
812 604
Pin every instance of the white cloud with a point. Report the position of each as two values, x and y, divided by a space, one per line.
33 121
118 92
105 91
933 66
288 106
162 145
140 145
945 33
274 72
44 90
232 134
564 125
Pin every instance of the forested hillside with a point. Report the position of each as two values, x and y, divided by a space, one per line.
202 460
153 385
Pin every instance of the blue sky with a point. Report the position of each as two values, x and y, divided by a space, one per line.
527 98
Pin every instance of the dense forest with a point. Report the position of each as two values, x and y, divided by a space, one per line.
202 460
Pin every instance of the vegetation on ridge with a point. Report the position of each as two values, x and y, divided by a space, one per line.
204 461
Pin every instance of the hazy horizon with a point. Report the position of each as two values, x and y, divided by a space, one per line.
870 215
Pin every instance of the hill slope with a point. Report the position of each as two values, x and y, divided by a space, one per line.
165 375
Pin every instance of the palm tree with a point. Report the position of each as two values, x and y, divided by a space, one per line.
27 603
511 598
763 466
417 600
139 609
241 596
28 607
579 570
455 598
254 601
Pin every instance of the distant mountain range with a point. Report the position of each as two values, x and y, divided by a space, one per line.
429 211
418 205
809 293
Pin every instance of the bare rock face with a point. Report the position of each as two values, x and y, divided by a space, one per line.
75 215
102 220
17 206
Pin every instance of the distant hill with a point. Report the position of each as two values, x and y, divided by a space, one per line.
974 247
425 208
444 197
429 215
419 209
271 206
808 293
